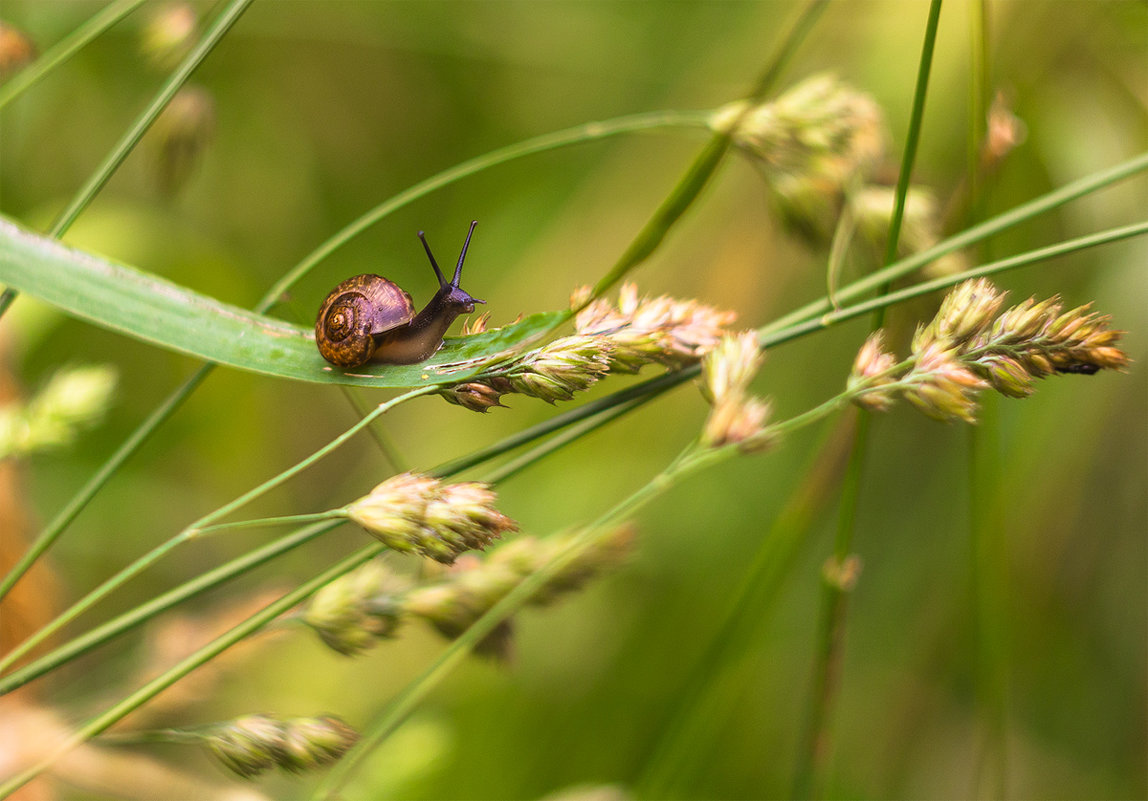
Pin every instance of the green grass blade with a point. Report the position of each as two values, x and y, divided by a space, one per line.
149 308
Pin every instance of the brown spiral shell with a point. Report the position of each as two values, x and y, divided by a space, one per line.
355 314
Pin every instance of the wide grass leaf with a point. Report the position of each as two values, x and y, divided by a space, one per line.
149 308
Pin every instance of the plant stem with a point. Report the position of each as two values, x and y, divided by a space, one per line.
217 646
192 531
813 757
266 522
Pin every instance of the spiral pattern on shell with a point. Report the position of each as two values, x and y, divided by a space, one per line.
355 313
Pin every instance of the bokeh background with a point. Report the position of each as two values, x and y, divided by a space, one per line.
323 109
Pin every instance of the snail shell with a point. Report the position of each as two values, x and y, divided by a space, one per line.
356 315
368 317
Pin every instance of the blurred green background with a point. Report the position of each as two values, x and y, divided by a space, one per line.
323 109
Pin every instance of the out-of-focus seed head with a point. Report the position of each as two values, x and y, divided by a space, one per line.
169 34
73 399
16 50
253 744
181 134
474 585
814 142
1005 132
311 743
354 612
872 209
248 745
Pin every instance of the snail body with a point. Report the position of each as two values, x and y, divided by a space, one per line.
370 318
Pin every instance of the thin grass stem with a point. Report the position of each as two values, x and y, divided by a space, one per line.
810 776
267 522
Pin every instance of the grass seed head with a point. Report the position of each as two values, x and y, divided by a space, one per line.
253 744
814 141
355 611
730 367
873 367
415 513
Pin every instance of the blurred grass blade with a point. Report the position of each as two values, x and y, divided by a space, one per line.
152 309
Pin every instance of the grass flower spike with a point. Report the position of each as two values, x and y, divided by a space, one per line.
253 744
354 612
623 337
737 418
474 586
813 143
645 330
969 347
420 514
561 368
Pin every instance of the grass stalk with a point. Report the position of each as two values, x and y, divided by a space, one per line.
988 544
813 751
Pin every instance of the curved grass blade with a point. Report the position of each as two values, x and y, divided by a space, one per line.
149 308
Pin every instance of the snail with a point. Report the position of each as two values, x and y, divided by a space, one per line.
369 318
